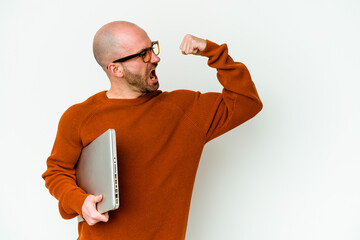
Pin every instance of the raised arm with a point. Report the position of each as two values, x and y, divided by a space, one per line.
239 101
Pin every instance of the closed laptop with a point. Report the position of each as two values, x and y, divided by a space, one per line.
96 171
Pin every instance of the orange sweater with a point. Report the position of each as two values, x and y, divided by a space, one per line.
160 137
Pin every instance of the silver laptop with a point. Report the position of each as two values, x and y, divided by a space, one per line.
96 171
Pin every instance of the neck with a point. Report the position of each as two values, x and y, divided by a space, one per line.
123 94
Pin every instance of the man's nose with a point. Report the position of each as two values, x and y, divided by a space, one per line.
154 58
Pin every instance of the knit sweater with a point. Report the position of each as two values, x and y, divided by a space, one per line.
160 137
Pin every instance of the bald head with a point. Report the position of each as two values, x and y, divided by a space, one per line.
115 39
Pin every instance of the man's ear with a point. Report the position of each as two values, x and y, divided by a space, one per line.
116 70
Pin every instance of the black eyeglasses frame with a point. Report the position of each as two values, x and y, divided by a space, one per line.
141 54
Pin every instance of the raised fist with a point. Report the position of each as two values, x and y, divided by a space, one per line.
192 45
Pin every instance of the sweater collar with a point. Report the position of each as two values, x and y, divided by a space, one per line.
134 101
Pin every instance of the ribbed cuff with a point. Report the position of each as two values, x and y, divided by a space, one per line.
72 204
209 47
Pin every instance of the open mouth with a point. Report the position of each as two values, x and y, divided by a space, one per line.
153 76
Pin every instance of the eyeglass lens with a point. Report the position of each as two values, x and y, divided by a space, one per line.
155 49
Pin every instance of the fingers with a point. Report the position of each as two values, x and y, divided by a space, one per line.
90 213
98 198
192 45
96 217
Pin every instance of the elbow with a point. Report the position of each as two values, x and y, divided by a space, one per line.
259 106
255 107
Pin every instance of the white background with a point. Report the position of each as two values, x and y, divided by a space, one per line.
290 173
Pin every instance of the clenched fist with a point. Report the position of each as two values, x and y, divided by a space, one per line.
192 45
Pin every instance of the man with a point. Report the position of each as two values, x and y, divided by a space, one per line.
160 135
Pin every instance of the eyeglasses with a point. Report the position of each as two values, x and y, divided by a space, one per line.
145 54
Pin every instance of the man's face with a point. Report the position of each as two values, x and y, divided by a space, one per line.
141 75
144 80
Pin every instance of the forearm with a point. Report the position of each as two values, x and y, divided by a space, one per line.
61 183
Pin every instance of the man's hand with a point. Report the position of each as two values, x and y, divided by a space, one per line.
89 212
192 45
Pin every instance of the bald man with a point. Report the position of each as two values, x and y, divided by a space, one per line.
160 135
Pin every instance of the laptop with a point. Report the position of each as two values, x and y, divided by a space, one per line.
96 171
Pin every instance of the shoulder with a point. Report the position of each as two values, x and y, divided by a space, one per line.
186 99
176 94
76 113
179 97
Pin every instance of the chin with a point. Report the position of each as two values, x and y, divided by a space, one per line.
152 88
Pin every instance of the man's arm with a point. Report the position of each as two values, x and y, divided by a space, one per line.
239 101
60 174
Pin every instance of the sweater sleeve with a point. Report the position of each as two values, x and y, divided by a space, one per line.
60 176
239 100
